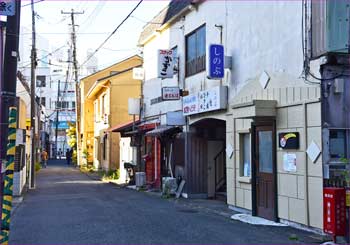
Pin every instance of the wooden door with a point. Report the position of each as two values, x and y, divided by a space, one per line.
197 175
265 172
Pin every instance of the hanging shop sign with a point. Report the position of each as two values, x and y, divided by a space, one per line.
7 7
165 63
205 101
134 106
170 93
138 73
216 61
289 140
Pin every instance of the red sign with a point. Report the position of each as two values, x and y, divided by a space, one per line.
334 215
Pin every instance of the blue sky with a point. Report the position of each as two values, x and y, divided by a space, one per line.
100 18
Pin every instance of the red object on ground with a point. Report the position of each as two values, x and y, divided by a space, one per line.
334 212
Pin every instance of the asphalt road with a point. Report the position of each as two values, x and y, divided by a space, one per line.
67 207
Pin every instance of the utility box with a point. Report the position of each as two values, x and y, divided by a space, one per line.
334 211
329 27
140 179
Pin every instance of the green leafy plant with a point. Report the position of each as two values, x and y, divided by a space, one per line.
37 166
71 132
85 154
345 173
111 175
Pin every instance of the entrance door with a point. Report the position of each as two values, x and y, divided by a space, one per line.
265 172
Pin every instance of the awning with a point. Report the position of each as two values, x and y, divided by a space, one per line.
124 127
164 130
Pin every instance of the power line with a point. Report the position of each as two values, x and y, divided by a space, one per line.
28 4
115 30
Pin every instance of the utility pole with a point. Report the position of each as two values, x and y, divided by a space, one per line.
32 102
77 90
9 76
57 110
8 80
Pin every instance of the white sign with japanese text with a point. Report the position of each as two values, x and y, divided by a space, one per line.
165 63
170 93
213 99
204 101
138 73
190 104
290 162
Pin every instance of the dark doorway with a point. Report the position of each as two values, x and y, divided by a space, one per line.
264 171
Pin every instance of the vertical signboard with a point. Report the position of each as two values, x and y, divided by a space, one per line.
7 7
334 216
216 61
165 63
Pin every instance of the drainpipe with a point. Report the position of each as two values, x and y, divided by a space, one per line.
306 182
155 158
234 161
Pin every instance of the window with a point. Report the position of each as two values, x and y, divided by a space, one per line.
73 105
40 81
195 51
104 150
43 101
65 104
245 153
58 104
337 144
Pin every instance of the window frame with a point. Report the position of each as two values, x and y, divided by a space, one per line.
241 137
198 68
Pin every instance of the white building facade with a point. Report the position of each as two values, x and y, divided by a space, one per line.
256 148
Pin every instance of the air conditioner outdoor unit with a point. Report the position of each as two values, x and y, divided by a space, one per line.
329 27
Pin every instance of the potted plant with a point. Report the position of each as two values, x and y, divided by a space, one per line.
85 156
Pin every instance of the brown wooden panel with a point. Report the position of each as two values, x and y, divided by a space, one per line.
265 172
197 166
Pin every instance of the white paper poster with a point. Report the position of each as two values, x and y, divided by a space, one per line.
290 162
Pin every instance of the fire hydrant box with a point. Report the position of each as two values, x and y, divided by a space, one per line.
334 211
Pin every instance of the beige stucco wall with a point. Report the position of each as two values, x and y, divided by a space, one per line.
299 193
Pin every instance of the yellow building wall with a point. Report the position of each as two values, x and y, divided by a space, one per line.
121 88
22 114
87 106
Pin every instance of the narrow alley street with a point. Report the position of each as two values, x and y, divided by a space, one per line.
67 207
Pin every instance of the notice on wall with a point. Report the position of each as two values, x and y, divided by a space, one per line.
290 162
229 150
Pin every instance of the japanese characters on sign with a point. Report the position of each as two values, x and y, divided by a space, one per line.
171 93
190 104
165 63
334 211
204 101
7 7
209 100
216 61
138 73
